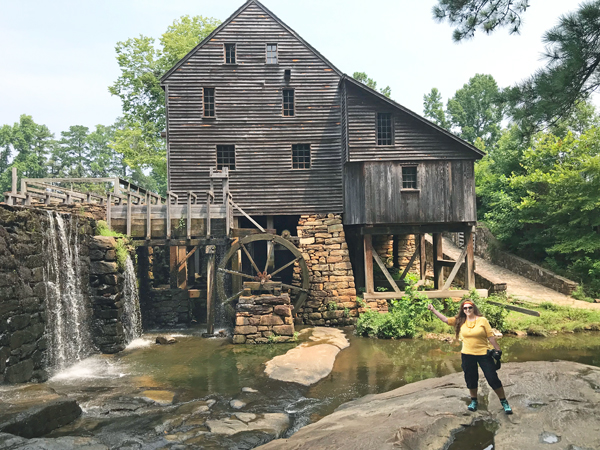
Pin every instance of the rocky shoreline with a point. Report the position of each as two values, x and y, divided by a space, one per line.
554 402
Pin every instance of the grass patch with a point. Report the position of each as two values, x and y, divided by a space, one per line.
123 246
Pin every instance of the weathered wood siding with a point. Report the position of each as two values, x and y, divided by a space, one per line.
248 99
374 194
413 139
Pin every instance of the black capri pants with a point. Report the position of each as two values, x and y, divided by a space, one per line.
487 364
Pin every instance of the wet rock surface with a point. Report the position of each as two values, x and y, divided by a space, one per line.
311 361
553 402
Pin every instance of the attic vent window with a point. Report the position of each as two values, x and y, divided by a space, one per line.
301 156
384 129
209 102
271 53
288 102
229 53
226 157
409 177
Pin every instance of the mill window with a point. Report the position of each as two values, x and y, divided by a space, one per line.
226 157
384 129
271 53
288 102
229 53
301 156
209 102
409 177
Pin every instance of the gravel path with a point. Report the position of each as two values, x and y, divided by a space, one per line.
517 286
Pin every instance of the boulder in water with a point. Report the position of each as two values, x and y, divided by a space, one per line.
165 340
42 419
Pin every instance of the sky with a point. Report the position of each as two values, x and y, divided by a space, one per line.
57 57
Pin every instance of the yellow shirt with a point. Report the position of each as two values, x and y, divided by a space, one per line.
474 335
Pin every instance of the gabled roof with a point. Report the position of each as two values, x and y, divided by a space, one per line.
232 17
414 115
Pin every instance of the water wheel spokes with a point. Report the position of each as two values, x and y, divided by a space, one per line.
298 291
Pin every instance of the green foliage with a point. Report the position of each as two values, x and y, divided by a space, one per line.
142 64
433 108
484 15
102 229
579 294
122 253
332 306
496 315
364 78
122 247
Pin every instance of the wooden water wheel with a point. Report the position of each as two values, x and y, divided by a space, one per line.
230 265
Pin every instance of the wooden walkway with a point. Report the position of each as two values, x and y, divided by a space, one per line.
518 286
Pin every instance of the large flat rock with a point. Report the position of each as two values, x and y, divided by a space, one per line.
310 361
552 402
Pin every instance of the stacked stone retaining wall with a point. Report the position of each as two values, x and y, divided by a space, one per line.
262 319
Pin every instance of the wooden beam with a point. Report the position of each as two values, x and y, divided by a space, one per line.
368 253
529 312
148 216
430 294
422 257
455 269
187 256
210 290
247 216
385 271
243 232
415 229
128 214
470 260
270 246
411 262
438 269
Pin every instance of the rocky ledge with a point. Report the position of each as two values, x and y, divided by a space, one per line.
556 405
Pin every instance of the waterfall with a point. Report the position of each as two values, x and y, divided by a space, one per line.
132 317
68 317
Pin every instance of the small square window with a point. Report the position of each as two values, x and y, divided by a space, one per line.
209 102
287 74
229 53
384 129
288 102
409 177
226 157
301 156
271 53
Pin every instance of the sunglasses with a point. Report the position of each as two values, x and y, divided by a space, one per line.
467 307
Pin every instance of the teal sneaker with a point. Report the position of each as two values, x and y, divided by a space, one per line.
473 405
506 406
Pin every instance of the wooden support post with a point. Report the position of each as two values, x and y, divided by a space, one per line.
169 215
209 196
182 269
422 257
129 214
173 253
470 260
385 271
368 249
108 211
210 289
236 263
191 196
454 271
148 216
15 177
438 253
270 245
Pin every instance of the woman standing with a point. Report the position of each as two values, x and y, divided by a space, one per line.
476 335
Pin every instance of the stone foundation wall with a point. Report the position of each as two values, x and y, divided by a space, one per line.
332 298
106 294
165 308
384 246
407 245
261 319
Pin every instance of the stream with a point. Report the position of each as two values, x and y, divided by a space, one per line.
160 396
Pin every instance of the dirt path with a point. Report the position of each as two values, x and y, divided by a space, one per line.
518 286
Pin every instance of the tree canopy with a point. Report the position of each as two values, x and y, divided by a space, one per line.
365 79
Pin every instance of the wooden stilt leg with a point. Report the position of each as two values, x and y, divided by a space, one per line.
173 263
422 257
210 290
438 254
470 260
369 282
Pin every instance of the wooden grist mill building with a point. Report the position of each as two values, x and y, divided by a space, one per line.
282 169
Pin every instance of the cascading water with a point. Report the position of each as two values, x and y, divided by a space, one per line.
68 317
132 317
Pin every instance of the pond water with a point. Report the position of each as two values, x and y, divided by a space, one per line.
109 387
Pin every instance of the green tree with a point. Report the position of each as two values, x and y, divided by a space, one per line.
75 152
476 110
364 78
572 71
5 146
104 161
470 15
142 63
433 108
